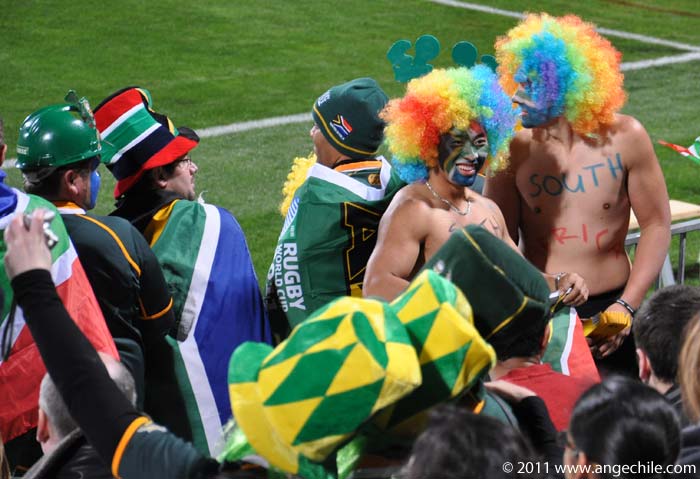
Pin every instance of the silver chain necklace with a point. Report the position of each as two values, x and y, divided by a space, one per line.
449 203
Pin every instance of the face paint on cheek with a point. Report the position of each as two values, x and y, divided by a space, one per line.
461 154
533 113
95 181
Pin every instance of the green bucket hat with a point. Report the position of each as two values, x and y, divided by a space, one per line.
297 403
506 292
348 117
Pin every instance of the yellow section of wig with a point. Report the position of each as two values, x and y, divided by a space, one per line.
295 178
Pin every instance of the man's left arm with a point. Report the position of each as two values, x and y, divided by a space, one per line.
648 197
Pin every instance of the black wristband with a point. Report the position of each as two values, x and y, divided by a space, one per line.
626 305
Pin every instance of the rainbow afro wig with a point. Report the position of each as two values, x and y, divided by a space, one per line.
573 70
439 101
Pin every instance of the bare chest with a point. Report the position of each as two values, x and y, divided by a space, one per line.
446 222
587 182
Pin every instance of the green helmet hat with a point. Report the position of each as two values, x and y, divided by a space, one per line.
58 135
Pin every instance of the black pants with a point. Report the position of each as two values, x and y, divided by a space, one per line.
624 360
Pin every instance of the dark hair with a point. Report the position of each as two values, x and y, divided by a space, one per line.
659 324
49 187
523 341
459 444
622 422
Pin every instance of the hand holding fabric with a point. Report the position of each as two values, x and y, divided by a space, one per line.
26 248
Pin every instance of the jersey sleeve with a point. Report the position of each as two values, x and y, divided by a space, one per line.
150 451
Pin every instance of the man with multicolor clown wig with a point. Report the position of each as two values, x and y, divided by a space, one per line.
441 133
579 166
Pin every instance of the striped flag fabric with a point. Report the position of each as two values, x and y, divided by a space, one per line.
567 351
136 138
692 152
21 373
217 301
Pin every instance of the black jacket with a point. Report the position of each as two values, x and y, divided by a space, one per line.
73 458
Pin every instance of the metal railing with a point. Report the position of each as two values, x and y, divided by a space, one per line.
666 277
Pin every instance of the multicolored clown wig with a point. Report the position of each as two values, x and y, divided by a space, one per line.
439 101
573 70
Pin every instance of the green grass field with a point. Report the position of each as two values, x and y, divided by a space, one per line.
212 63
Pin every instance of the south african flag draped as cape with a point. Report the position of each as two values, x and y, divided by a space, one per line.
216 301
21 373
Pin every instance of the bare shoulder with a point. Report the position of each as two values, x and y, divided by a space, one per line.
409 197
487 203
519 149
630 137
409 205
628 125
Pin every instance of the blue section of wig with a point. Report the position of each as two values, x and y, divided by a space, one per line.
546 65
410 170
496 114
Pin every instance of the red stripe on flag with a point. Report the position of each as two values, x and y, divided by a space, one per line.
21 374
680 149
116 107
20 377
78 298
581 363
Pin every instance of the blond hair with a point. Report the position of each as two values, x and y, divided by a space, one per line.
689 369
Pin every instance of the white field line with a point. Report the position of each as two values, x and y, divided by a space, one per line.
657 62
694 54
253 125
604 31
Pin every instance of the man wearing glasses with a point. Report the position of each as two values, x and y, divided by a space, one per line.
201 249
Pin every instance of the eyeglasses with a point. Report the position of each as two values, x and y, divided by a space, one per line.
187 161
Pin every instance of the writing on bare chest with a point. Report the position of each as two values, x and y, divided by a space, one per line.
591 177
489 223
583 235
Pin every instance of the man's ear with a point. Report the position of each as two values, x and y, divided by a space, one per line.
160 179
68 182
644 366
43 431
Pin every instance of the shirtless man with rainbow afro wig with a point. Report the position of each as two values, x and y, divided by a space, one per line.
440 134
578 167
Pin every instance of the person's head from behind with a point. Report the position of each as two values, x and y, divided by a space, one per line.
621 422
346 125
59 150
142 147
689 369
459 444
55 422
529 340
658 330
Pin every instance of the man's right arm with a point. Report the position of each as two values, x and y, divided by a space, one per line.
396 253
501 188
